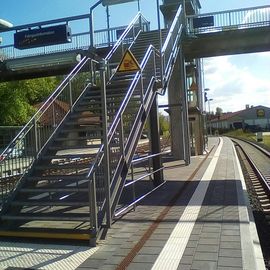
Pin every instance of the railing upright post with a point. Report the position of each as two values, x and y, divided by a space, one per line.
142 92
108 26
93 209
106 162
91 22
133 186
160 44
121 136
70 95
36 138
53 116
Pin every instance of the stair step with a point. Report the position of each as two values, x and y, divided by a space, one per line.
56 178
55 190
50 203
81 138
80 109
74 167
48 217
63 147
108 96
71 165
82 128
69 156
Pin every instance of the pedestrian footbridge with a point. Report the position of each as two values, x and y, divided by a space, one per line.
206 35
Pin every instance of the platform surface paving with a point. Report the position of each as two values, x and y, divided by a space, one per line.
202 223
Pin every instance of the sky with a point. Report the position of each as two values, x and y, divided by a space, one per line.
234 81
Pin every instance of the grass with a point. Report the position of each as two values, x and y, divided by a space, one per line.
248 135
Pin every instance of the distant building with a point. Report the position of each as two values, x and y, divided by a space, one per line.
252 118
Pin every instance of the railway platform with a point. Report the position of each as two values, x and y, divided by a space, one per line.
200 219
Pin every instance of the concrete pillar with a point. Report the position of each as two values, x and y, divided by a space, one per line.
177 97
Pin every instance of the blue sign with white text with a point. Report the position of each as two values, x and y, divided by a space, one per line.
203 22
42 37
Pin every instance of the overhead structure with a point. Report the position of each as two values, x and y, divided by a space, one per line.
5 24
115 2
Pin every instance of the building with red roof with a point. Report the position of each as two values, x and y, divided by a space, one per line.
253 118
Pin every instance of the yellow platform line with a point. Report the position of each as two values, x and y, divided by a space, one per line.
67 236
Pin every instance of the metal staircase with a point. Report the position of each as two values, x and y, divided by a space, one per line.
76 164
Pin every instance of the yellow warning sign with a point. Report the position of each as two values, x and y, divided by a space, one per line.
128 63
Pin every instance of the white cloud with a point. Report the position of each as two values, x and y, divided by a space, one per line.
263 54
233 86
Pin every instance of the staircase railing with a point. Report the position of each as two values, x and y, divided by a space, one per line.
171 48
123 136
124 133
20 154
126 40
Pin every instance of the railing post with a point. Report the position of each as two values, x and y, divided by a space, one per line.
142 92
133 186
53 116
108 26
91 22
36 138
121 136
93 209
70 95
160 44
106 163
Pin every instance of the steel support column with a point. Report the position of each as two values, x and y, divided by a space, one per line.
155 143
106 161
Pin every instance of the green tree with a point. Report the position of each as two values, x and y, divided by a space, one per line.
17 98
219 112
164 124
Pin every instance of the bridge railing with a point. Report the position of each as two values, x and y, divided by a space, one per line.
102 38
18 157
229 20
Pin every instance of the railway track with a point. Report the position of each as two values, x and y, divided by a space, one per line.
255 162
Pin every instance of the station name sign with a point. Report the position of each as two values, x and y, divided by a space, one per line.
42 37
115 2
203 22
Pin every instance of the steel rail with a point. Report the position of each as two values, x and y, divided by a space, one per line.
257 170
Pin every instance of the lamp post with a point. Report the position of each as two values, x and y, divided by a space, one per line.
204 100
209 118
160 39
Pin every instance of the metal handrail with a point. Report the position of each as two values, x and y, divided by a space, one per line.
228 11
124 35
171 47
232 19
151 49
126 40
125 144
123 106
28 144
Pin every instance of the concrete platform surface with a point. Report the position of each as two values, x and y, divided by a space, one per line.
199 219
